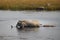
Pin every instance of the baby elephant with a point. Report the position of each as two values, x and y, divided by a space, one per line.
27 24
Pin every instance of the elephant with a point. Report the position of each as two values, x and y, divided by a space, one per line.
26 24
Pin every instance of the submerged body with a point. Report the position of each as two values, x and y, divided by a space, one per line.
49 26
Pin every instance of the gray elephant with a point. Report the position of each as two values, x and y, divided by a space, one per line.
26 24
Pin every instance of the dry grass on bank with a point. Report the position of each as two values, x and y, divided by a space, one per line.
29 4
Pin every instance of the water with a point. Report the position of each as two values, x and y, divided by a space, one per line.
8 18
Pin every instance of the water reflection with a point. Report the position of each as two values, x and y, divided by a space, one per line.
27 33
27 30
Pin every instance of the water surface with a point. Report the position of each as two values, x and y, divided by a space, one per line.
8 18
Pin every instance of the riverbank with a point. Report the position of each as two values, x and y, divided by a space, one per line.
30 5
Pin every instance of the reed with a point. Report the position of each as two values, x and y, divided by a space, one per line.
29 4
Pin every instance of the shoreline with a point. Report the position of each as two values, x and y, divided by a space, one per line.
29 10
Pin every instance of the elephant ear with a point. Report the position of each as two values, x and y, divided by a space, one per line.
23 23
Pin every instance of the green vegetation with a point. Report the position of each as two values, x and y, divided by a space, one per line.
30 4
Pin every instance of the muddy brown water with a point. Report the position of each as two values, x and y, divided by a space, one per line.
8 18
